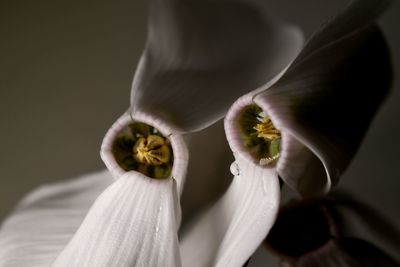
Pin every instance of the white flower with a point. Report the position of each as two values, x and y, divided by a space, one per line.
199 58
321 104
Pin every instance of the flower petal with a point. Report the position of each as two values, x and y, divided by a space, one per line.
135 221
46 219
201 55
132 223
329 95
230 231
180 152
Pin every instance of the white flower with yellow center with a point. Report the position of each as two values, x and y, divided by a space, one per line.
201 57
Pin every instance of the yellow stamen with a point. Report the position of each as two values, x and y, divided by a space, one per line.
152 150
269 160
267 130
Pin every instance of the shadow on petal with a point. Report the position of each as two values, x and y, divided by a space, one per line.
327 103
202 55
229 232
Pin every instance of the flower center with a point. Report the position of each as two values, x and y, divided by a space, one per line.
260 135
141 147
267 130
152 150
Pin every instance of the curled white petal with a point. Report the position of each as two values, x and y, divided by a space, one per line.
135 221
328 104
201 55
45 220
326 99
177 143
132 223
230 231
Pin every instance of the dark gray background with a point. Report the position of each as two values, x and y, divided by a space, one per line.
65 74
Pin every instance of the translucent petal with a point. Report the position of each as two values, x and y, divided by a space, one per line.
201 55
132 223
230 231
297 164
329 95
135 221
46 219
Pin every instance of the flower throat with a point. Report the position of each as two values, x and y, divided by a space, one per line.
260 135
143 148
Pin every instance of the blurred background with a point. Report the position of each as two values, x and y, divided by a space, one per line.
65 74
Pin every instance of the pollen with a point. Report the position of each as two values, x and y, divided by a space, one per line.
267 130
152 150
142 148
260 136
